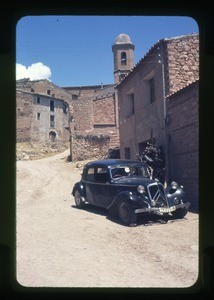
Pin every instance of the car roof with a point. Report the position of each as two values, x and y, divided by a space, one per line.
112 162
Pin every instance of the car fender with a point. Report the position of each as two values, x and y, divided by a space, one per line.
179 193
131 197
80 188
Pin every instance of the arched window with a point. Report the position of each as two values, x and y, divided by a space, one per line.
123 58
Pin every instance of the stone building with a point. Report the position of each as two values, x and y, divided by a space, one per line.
170 65
85 115
95 126
42 113
183 138
94 129
146 112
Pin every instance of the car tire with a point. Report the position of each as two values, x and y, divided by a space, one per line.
126 213
78 201
179 213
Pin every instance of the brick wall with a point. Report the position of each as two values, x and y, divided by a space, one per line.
104 111
183 128
93 127
82 116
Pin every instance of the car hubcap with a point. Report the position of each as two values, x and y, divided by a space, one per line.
77 199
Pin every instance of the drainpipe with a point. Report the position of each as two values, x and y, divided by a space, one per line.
164 114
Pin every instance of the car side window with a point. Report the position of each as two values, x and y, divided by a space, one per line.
102 175
90 175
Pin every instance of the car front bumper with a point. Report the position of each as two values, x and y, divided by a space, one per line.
162 210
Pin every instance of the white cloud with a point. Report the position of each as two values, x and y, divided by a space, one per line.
34 72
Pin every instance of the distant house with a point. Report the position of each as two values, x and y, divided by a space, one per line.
42 112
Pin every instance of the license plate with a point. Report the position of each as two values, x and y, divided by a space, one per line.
167 209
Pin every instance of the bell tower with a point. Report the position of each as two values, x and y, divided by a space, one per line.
123 51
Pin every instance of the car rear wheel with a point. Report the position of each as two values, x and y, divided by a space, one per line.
126 213
78 200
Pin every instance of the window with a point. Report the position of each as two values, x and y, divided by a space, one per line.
152 89
90 175
102 175
74 97
52 121
123 58
64 109
32 90
127 153
48 92
51 105
38 116
38 100
130 109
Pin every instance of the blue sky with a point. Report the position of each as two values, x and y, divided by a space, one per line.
76 50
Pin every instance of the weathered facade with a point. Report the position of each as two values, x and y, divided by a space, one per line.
183 138
94 128
170 65
146 112
41 117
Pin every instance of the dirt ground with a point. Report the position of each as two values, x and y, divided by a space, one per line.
59 245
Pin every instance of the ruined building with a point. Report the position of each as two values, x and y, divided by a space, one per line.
42 112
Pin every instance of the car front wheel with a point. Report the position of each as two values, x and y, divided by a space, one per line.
78 201
179 213
126 213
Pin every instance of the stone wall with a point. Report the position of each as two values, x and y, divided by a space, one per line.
182 62
183 128
89 146
24 115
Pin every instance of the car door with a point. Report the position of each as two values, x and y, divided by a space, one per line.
102 188
90 184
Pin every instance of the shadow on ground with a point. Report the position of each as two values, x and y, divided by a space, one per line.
143 220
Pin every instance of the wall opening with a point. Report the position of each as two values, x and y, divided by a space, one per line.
52 136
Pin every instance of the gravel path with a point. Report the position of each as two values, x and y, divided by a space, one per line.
59 245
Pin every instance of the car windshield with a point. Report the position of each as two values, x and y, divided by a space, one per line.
135 170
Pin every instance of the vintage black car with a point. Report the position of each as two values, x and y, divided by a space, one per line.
124 187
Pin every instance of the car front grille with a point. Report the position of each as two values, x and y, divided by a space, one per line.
157 194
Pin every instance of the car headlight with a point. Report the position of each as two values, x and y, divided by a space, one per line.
174 185
141 189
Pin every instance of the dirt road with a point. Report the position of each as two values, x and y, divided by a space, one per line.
59 245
